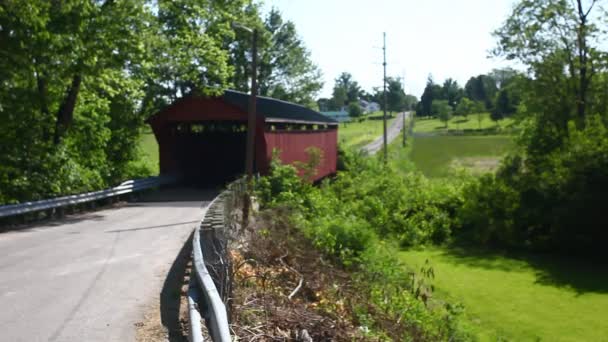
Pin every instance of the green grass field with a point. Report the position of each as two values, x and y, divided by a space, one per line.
149 149
437 155
521 297
358 134
459 123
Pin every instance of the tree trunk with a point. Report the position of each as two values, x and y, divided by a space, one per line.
583 58
65 115
44 108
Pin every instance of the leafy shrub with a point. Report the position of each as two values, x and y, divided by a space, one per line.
551 201
345 238
281 186
351 218
355 110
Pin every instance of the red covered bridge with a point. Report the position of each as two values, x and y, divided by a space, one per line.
202 139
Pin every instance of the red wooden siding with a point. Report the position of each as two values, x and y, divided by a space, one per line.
293 145
212 153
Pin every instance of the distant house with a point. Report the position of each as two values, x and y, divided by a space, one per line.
369 106
340 116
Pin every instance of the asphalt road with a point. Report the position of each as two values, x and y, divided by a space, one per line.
90 277
392 132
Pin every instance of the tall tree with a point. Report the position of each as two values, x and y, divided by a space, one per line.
79 77
339 98
465 107
346 82
346 90
286 70
559 41
395 96
410 102
452 92
69 71
502 107
443 110
504 76
431 92
481 88
190 54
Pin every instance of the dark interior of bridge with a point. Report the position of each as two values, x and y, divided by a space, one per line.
210 153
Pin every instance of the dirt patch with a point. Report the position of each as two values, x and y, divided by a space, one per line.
285 290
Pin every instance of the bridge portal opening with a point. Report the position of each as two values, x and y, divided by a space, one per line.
209 152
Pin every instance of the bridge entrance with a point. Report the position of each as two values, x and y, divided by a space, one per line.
210 152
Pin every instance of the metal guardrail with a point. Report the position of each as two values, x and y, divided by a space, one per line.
210 253
214 311
124 188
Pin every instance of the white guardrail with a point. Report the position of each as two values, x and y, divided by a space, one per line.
214 309
124 188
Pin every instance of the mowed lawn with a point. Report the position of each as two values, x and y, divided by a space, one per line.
359 134
460 123
437 155
521 297
149 149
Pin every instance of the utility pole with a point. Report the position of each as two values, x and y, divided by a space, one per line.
251 119
404 133
384 82
251 123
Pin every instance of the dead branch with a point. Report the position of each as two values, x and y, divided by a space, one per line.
293 293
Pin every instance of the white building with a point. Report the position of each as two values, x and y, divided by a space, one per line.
369 107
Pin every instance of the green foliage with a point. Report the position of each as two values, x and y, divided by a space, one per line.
560 43
464 107
551 202
395 95
352 216
431 92
355 110
369 192
481 88
443 110
286 70
545 196
502 106
452 92
346 91
282 185
80 77
309 169
72 79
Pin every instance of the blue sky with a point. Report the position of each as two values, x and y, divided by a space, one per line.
445 38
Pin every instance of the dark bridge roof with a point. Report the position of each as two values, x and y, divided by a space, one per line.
278 110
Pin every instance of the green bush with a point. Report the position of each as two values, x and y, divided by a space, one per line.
351 218
345 238
281 186
551 201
